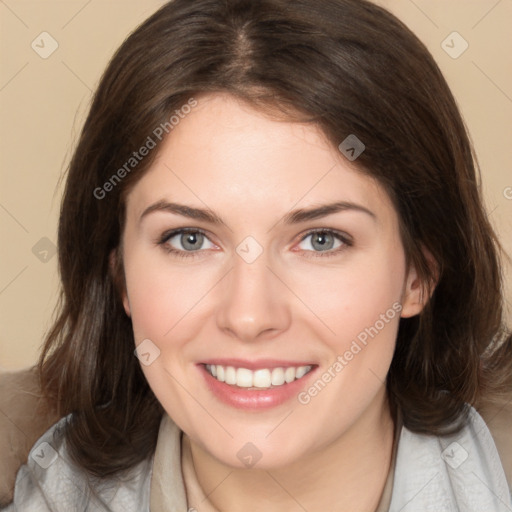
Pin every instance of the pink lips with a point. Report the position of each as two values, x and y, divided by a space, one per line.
254 399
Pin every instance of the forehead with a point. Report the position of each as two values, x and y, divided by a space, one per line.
237 160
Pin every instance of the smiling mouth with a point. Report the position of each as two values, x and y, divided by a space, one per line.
264 378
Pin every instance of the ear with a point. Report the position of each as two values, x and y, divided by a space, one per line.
416 292
116 270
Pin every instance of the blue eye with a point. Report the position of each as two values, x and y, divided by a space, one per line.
326 242
183 241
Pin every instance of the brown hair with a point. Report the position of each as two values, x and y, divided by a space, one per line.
351 68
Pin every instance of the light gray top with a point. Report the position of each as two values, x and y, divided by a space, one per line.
462 472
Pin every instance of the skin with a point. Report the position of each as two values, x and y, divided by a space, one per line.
290 303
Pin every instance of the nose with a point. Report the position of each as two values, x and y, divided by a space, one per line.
254 303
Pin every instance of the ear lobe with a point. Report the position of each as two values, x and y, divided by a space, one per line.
413 295
116 271
416 292
126 305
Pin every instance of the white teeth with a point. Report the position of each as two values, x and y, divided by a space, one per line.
230 375
263 378
277 377
289 375
300 372
244 378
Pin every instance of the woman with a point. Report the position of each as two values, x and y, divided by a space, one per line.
276 205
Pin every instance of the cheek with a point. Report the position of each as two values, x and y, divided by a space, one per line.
162 294
161 300
352 298
149 304
368 324
362 309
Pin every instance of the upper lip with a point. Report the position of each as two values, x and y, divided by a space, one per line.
256 364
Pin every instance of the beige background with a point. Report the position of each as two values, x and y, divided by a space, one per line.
43 102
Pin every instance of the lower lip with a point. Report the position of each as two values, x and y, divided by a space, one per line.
254 399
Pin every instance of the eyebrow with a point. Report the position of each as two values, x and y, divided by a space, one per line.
293 217
303 215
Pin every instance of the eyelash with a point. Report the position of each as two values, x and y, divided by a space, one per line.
347 242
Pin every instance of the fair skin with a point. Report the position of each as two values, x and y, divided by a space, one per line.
251 171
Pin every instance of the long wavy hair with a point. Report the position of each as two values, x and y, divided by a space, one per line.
347 66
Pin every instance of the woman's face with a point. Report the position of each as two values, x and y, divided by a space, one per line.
258 290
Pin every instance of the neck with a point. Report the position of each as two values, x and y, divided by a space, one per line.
348 474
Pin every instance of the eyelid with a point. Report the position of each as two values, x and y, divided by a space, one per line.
167 235
345 237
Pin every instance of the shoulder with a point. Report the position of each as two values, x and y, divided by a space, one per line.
498 418
51 481
459 471
25 416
